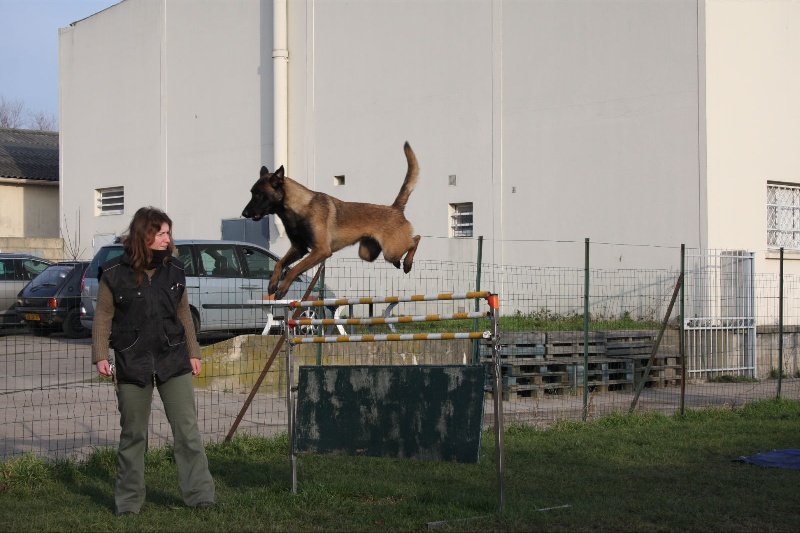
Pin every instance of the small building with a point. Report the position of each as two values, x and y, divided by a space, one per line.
29 192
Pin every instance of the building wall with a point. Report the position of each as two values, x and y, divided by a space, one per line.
111 97
560 120
753 119
29 210
165 100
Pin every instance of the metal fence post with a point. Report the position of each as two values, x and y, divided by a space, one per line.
780 326
586 331
476 342
497 392
682 332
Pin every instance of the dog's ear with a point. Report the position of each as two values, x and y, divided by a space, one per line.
277 177
264 171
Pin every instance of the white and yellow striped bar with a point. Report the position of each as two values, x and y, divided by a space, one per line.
384 320
391 299
389 337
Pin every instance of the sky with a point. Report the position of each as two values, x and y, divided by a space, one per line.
29 48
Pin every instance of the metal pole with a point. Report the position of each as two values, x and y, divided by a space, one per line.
657 344
585 409
497 386
290 409
322 312
682 332
475 325
780 326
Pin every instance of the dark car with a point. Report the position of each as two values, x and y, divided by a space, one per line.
52 300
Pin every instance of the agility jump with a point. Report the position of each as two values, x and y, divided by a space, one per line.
493 314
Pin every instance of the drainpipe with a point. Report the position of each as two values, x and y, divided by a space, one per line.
280 80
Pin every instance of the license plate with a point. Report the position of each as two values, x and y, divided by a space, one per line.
32 316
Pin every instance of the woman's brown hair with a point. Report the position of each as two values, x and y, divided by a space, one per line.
146 222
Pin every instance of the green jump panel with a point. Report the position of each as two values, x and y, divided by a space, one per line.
432 413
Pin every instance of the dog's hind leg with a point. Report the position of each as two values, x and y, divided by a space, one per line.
369 250
409 258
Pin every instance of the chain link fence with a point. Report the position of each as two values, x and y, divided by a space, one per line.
557 362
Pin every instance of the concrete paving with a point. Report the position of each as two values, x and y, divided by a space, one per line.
52 403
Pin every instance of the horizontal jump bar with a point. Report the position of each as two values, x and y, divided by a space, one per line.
384 320
390 337
392 299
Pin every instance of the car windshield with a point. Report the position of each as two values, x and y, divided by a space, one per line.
52 277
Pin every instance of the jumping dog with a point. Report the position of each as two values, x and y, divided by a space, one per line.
319 224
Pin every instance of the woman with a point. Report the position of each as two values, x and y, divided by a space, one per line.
143 312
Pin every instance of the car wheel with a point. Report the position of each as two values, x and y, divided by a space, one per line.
196 322
72 325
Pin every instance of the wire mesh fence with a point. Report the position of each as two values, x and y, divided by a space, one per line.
556 363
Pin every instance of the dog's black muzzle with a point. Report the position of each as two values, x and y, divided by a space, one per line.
248 212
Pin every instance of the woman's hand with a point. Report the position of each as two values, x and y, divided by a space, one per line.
103 368
196 366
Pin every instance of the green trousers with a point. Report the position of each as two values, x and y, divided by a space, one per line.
134 402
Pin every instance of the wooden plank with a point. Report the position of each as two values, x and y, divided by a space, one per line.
573 350
523 344
623 334
555 337
571 343
528 337
515 351
625 343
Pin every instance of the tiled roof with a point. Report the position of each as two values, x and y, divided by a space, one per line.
29 154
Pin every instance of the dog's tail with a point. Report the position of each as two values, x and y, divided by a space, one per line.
411 179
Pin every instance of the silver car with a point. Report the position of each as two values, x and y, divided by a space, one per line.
16 271
221 278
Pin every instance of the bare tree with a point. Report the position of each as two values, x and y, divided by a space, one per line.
12 113
40 120
72 242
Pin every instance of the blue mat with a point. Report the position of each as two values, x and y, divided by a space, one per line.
775 459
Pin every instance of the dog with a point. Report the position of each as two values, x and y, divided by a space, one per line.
318 224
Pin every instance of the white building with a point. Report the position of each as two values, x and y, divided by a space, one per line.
630 121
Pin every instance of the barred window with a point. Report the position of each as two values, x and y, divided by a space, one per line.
461 220
783 216
110 201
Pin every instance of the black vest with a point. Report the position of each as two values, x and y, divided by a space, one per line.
147 337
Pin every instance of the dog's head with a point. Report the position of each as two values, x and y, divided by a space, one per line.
266 196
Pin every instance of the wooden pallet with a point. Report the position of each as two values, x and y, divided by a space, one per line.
531 344
625 343
606 375
665 371
536 378
571 343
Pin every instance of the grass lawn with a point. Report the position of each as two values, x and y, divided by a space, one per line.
621 473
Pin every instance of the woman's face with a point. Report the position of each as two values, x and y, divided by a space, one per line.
162 238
